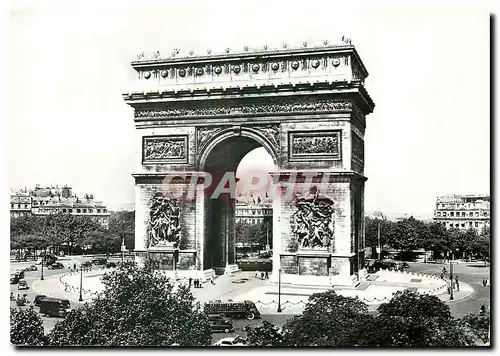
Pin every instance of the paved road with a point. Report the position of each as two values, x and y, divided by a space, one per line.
470 275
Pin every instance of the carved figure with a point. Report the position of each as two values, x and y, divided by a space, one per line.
315 144
164 221
158 149
314 221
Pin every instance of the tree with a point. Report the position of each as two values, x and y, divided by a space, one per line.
138 307
26 328
266 335
479 325
330 320
410 319
371 232
406 234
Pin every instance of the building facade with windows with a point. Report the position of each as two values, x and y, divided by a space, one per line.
54 200
253 210
463 211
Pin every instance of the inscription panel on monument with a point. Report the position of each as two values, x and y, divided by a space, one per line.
314 145
165 149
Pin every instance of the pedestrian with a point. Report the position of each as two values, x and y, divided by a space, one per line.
190 281
456 282
267 275
74 266
197 283
484 281
442 276
261 275
444 270
482 310
257 274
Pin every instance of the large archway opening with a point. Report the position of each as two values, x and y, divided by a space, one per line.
232 180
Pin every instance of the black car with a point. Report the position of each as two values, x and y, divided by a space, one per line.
54 307
383 264
86 264
14 278
219 323
99 261
38 298
110 265
56 265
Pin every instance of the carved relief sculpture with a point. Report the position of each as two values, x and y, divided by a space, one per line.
164 222
309 145
314 223
166 148
220 108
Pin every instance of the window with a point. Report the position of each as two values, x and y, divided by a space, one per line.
91 211
471 214
98 210
463 213
12 206
477 213
64 210
84 211
438 214
444 213
452 214
457 225
470 223
463 224
477 224
104 210
70 210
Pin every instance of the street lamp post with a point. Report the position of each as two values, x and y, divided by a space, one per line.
41 278
81 282
279 291
451 276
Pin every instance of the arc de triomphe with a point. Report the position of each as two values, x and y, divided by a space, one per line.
196 117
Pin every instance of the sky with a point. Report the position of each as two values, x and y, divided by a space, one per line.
429 134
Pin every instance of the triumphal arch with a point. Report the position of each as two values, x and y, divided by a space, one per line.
197 116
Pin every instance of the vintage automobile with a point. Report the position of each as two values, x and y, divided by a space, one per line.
56 265
20 273
231 341
54 307
31 268
219 323
111 265
22 285
86 264
38 298
100 261
14 278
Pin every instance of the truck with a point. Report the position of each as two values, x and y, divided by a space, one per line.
233 309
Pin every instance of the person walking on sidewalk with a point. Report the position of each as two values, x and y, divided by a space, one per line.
190 282
456 282
444 270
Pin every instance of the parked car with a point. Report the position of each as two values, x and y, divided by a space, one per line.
110 265
99 261
38 298
86 264
231 341
385 264
54 307
31 268
220 324
56 265
20 273
22 285
14 278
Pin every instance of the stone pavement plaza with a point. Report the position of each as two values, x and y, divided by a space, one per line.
376 289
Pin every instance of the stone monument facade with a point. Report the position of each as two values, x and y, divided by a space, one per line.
196 117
